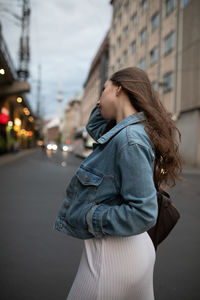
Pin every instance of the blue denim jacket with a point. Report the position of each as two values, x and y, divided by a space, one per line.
112 192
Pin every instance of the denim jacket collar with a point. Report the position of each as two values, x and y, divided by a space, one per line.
132 119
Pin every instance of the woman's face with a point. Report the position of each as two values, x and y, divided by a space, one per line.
108 100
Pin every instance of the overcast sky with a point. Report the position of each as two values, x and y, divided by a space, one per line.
65 36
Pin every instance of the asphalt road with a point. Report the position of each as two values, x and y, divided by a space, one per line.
39 263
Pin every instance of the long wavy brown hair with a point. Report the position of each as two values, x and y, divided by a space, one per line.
160 127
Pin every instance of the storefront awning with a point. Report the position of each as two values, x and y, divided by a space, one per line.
17 87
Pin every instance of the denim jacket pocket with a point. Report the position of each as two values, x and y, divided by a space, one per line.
81 195
88 182
87 177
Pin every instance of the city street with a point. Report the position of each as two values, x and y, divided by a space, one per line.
39 263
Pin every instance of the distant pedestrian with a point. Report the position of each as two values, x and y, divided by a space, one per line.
111 201
16 147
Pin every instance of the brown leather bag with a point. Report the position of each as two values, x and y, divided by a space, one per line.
168 216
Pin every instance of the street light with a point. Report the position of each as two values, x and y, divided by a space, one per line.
2 71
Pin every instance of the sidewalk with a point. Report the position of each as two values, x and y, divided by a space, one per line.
10 157
191 170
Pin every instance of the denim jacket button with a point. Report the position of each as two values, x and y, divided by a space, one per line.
60 225
85 177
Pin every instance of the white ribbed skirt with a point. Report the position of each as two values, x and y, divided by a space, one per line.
115 268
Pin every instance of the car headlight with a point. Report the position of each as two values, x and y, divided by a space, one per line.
65 148
54 147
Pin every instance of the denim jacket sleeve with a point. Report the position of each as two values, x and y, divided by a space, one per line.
138 212
96 124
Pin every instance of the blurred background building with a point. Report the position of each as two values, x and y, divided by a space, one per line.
163 38
160 36
97 75
17 121
72 119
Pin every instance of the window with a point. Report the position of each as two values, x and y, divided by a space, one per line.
125 31
170 6
116 6
113 49
155 20
126 6
143 5
133 47
119 41
154 55
114 28
143 35
134 19
169 42
118 64
125 56
168 82
120 19
155 85
142 64
185 2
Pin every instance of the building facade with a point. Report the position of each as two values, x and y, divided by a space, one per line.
17 121
163 38
97 76
72 120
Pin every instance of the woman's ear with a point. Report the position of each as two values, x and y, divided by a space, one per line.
118 90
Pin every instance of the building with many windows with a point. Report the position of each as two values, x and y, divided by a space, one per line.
72 119
163 38
97 75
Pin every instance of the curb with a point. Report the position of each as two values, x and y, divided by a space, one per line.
10 157
191 170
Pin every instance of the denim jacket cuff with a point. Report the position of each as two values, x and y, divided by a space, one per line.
93 220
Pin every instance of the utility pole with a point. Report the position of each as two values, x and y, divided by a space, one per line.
59 100
24 49
38 91
59 113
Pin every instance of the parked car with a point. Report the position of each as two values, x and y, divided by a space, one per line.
52 146
66 148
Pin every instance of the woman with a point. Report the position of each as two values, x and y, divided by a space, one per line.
111 200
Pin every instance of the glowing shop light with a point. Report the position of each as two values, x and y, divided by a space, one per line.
23 131
16 128
31 119
29 133
17 122
19 99
10 123
5 111
26 111
2 71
